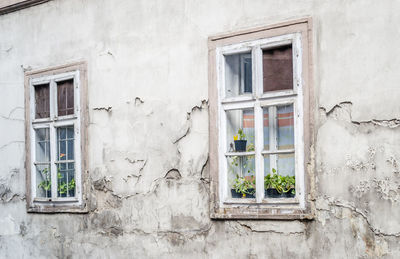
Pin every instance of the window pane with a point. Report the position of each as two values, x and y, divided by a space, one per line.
42 101
42 145
238 74
65 97
286 164
279 176
241 176
285 127
65 143
240 130
277 69
66 180
43 181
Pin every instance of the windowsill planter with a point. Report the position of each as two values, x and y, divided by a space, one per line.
273 193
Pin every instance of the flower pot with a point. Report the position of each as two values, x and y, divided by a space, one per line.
289 194
273 193
71 193
240 145
240 195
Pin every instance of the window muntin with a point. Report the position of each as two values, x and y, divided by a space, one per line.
278 146
58 178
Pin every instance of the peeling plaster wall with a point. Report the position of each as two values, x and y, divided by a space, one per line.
148 132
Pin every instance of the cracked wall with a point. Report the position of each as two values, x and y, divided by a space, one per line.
148 131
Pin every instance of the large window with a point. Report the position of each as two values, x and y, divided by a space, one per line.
55 126
259 93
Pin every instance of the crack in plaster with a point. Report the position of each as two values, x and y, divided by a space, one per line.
107 109
343 110
270 230
346 205
10 143
11 112
204 103
139 174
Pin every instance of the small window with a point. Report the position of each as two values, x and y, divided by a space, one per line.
259 96
56 134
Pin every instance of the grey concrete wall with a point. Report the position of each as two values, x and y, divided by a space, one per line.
148 153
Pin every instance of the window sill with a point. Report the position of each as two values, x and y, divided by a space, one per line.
57 207
265 202
57 200
251 212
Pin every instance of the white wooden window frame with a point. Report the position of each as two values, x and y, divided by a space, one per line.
257 101
52 123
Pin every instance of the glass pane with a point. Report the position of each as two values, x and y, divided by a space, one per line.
278 68
238 74
43 181
42 101
266 128
42 145
285 127
66 180
65 140
279 176
65 97
286 164
241 176
240 130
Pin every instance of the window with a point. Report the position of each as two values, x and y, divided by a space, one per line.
260 123
55 116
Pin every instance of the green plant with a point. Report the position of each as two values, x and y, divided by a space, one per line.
63 187
282 184
45 184
244 186
240 135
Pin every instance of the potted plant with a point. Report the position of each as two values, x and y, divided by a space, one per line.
278 186
46 184
240 141
244 187
64 187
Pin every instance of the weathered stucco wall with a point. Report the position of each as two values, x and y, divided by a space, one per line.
148 133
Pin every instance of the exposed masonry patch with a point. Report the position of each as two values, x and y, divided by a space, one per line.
392 161
102 184
342 111
357 165
387 189
173 174
26 69
138 101
204 104
107 109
